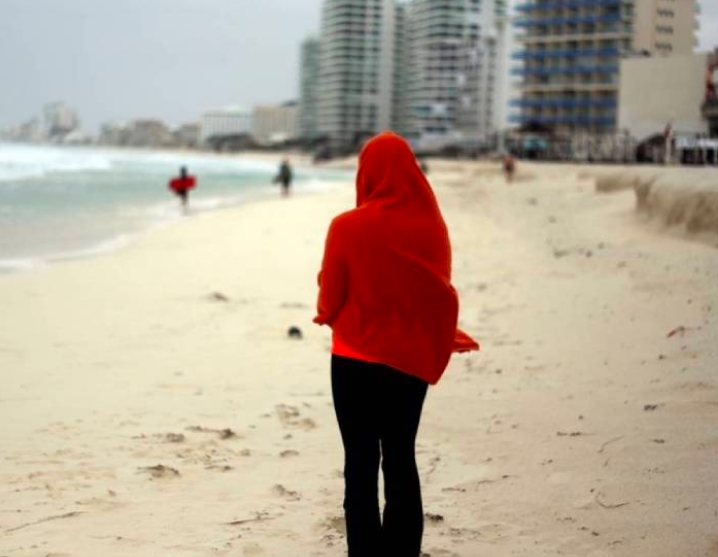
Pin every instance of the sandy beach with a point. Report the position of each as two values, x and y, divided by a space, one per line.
152 404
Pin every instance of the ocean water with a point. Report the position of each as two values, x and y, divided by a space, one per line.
59 203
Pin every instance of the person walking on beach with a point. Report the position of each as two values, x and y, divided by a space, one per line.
284 177
509 164
385 290
181 185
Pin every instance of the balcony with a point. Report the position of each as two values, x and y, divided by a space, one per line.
568 70
572 20
564 53
579 121
558 102
532 6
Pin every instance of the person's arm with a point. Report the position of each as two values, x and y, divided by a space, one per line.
333 280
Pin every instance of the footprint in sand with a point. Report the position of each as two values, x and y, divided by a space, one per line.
285 493
223 434
335 524
439 553
160 471
433 518
166 437
289 416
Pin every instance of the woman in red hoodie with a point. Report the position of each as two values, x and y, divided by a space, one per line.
385 290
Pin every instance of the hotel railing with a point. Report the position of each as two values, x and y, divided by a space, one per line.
611 18
530 7
566 70
564 53
564 103
565 120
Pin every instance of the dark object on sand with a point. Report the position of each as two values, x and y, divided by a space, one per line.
218 297
160 471
294 332
226 433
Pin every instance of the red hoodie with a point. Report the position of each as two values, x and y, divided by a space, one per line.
384 286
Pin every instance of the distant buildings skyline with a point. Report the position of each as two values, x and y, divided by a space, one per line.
432 71
463 72
214 70
442 72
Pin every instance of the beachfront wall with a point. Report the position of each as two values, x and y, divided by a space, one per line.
661 91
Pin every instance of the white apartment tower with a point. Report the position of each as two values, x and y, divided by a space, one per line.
356 90
454 73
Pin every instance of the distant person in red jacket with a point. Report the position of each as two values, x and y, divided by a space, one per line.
385 290
181 185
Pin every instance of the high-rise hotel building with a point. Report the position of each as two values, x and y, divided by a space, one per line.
432 70
454 71
571 52
355 96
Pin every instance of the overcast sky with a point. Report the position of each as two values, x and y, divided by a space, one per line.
172 59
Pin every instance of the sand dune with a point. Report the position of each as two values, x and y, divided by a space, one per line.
683 198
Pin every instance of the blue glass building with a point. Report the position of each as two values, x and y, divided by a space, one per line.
571 51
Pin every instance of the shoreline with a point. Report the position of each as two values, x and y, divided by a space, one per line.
133 218
127 239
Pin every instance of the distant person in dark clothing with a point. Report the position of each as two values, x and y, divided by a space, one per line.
284 178
509 164
181 185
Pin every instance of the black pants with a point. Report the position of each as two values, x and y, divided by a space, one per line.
378 409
